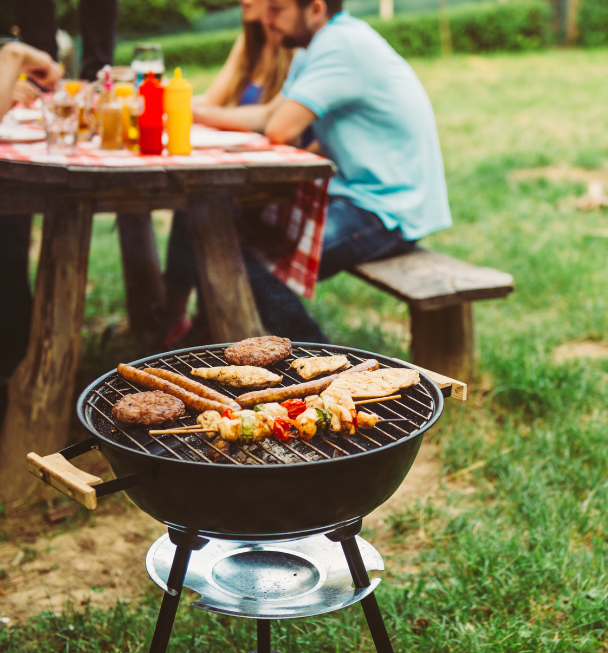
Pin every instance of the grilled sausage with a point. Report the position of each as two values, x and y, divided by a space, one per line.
192 386
151 382
300 389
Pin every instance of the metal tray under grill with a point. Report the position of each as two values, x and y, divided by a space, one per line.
418 406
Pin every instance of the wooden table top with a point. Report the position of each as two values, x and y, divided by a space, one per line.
92 168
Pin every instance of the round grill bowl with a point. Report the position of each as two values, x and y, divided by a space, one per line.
268 496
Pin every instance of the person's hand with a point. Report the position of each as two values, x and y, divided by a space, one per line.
25 92
36 64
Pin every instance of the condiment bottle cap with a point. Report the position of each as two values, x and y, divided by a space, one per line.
178 82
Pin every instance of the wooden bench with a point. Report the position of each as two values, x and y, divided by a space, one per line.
440 291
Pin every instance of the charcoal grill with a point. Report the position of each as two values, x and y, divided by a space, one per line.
259 492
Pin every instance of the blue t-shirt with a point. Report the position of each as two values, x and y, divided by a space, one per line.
375 121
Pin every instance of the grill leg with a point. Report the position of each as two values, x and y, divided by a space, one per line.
175 583
375 623
263 636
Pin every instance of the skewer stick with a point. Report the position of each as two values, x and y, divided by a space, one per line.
376 400
198 430
177 429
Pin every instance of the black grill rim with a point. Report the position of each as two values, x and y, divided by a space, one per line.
434 389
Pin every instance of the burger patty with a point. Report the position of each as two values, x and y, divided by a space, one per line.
259 352
148 408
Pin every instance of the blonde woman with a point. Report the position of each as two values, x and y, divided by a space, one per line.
256 67
253 74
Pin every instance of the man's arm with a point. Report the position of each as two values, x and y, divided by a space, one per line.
253 118
288 121
281 120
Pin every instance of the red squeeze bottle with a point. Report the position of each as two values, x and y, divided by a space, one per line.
151 120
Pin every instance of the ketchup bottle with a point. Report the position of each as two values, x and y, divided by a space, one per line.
151 120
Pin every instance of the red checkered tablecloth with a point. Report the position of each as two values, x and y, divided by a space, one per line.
300 222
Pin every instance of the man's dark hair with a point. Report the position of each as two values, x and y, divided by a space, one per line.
333 6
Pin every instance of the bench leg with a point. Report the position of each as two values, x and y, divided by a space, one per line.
443 340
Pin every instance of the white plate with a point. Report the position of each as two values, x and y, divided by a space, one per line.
200 138
19 134
23 114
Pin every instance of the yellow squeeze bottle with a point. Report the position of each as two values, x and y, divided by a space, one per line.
178 95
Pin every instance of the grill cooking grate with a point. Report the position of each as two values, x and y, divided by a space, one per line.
416 405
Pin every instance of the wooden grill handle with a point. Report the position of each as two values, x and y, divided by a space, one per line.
458 388
65 477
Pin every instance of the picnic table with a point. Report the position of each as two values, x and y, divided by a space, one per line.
68 191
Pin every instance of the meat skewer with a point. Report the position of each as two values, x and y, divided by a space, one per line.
260 424
198 429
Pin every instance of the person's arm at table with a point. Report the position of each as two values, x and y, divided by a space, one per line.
281 120
25 92
253 117
17 58
217 93
288 121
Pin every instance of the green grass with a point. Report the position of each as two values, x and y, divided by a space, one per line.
515 555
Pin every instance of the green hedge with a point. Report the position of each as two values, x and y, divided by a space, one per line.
593 22
493 27
195 49
139 16
513 26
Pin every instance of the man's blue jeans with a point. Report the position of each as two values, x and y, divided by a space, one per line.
352 236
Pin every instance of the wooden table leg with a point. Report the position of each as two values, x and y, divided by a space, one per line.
142 275
443 340
40 398
231 308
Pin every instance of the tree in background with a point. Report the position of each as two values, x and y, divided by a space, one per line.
146 16
593 22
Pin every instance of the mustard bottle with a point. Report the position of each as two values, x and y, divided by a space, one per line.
178 94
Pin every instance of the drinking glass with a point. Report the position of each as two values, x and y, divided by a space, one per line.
148 57
61 123
110 125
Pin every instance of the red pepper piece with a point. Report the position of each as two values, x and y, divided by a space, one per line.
294 407
283 429
228 413
353 412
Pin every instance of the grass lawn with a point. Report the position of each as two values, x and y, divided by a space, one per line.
514 556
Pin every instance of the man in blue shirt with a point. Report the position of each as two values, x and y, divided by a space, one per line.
371 116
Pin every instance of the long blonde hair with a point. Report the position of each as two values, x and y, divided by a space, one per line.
255 40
